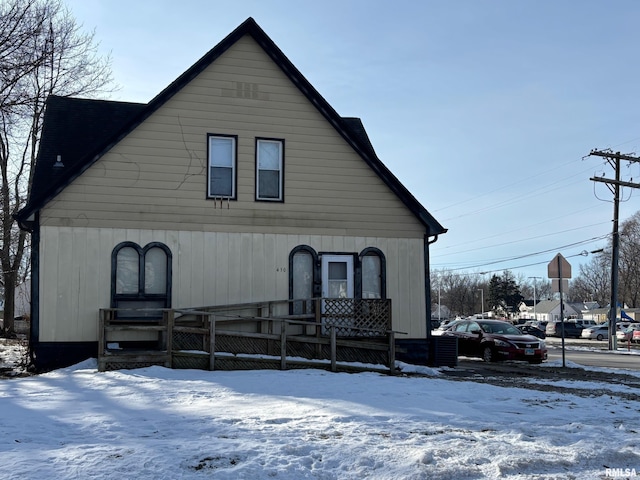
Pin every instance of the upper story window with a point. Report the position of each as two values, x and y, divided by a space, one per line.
221 173
269 169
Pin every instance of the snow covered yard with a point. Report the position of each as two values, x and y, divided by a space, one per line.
14 357
186 424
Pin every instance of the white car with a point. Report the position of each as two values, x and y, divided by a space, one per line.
599 332
626 334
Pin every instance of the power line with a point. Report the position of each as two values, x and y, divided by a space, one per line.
519 257
526 179
514 241
614 185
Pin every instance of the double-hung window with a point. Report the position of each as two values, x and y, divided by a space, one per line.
269 169
222 166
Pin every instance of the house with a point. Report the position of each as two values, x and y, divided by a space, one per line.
237 183
440 312
525 310
601 315
549 311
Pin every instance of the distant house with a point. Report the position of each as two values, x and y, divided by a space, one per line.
601 315
525 309
237 183
588 306
549 310
440 312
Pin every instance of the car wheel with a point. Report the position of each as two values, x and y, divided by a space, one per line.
599 337
487 354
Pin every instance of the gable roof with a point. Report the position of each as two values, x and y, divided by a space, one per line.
548 306
81 130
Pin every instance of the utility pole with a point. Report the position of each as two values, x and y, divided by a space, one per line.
614 185
535 317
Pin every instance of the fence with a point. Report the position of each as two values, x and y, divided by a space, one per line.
322 333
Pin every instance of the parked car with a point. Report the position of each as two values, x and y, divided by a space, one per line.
584 322
571 329
494 340
621 325
599 332
446 325
635 338
626 334
531 330
537 323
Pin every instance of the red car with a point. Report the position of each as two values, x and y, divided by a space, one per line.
494 340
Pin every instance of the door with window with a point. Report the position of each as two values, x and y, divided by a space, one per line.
337 276
337 283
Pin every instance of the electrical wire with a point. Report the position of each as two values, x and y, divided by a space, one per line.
519 257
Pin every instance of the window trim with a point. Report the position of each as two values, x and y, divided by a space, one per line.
234 167
116 298
280 142
373 251
357 269
315 265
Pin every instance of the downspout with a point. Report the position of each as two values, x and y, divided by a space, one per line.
427 298
427 284
32 226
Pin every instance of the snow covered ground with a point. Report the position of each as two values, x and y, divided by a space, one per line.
156 423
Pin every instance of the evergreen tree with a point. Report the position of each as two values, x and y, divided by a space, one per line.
504 293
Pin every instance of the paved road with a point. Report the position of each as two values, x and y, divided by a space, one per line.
594 353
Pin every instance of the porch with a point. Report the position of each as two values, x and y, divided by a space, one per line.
340 334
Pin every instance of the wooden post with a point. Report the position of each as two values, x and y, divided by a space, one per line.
318 313
169 337
212 341
392 352
101 340
333 349
283 345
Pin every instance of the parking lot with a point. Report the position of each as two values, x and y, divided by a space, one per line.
583 342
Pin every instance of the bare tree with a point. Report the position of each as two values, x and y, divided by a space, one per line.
594 279
593 282
629 262
42 52
535 288
460 292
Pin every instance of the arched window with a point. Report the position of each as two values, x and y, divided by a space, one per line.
374 273
303 278
140 279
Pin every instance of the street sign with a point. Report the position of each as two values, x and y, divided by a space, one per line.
555 284
559 267
559 271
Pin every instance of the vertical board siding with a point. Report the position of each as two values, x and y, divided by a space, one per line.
208 269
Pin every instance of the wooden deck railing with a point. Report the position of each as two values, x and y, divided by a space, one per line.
321 333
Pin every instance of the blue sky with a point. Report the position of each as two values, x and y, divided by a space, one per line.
484 109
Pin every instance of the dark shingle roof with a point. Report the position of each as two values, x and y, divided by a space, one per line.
75 129
81 130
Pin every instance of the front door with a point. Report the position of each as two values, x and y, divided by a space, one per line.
337 276
337 282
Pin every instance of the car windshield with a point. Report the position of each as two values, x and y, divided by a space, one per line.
500 328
